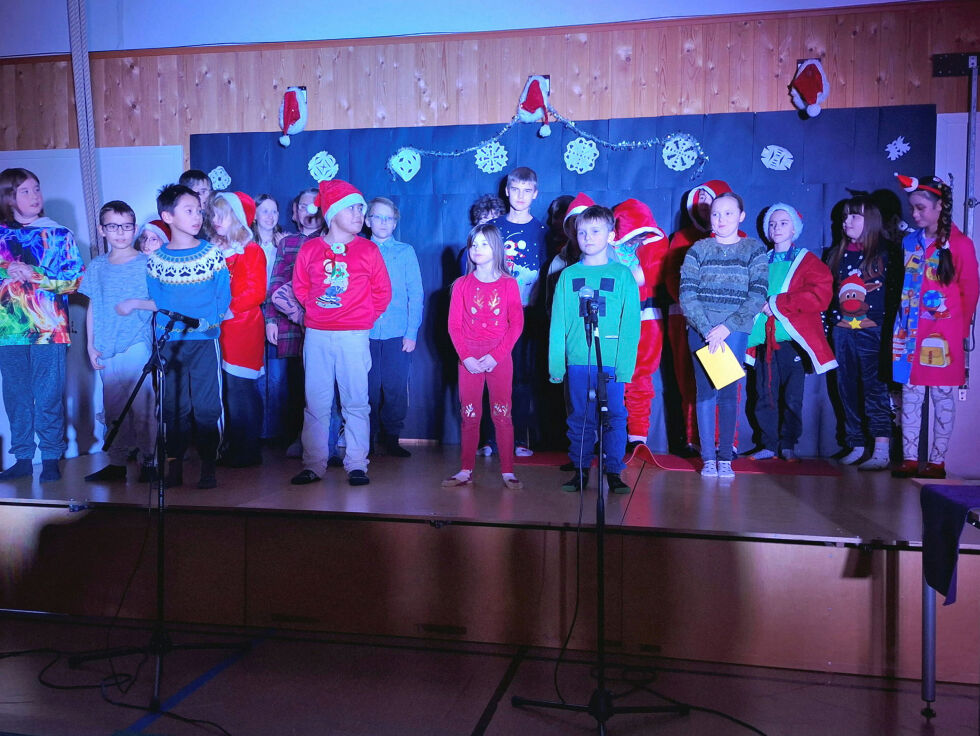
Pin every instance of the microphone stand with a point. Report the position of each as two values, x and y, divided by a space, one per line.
600 705
160 643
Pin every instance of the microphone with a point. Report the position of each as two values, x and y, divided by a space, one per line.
585 297
192 322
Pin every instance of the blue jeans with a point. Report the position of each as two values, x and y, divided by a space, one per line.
388 386
864 396
779 400
708 397
582 419
33 387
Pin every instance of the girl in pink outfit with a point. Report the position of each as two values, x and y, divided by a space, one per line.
485 320
939 298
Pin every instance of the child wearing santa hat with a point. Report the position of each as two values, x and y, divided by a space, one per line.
341 282
243 333
153 235
864 266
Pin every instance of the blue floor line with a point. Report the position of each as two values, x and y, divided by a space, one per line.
193 686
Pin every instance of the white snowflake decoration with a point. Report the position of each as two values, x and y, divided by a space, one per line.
323 166
897 148
491 158
405 163
680 152
220 180
777 158
581 155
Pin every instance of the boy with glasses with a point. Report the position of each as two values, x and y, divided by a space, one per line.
395 334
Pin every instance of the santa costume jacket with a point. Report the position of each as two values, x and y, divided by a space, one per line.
799 306
243 335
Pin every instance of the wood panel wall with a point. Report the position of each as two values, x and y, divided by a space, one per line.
877 55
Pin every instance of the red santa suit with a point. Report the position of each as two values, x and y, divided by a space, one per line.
634 221
243 336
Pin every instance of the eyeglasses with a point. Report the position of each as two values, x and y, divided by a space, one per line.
112 227
382 218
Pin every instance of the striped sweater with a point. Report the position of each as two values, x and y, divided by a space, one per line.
724 284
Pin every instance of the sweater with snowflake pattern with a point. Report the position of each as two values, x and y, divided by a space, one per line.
193 282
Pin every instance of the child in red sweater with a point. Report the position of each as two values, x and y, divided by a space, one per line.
342 284
485 320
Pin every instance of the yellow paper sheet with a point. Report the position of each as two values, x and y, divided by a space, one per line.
721 366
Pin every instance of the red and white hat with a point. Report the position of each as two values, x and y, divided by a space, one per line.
704 194
810 87
335 195
854 282
913 184
578 205
292 113
635 218
533 105
158 228
242 205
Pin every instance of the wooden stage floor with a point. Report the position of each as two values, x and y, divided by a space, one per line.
845 506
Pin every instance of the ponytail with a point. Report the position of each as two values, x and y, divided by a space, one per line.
945 270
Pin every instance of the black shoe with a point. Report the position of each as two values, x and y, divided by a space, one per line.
567 467
175 474
393 449
148 473
20 469
108 474
631 447
50 471
358 478
208 479
334 462
577 482
616 484
304 478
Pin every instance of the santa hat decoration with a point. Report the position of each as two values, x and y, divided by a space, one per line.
533 106
913 184
292 113
704 194
334 196
810 87
795 217
577 206
158 228
635 218
242 205
853 283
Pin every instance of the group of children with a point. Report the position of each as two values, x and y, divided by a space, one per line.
247 307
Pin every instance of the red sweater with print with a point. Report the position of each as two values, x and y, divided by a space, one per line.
485 317
341 286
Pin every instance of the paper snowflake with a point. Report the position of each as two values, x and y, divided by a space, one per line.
491 158
897 148
323 166
405 163
581 155
777 158
681 151
220 180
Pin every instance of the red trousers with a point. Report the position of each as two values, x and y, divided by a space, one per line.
683 371
639 391
499 382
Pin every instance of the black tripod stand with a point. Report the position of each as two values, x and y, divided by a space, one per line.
160 643
600 705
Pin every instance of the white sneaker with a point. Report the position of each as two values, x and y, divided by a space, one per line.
485 451
725 469
853 456
522 451
877 461
710 469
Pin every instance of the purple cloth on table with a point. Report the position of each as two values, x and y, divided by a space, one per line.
944 510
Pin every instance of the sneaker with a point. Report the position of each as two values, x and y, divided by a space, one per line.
763 454
933 470
462 478
485 451
108 474
879 460
358 478
616 484
522 451
725 469
789 456
853 456
710 469
20 469
304 478
908 469
577 482
50 471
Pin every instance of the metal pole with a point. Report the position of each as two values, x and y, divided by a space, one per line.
969 201
928 648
